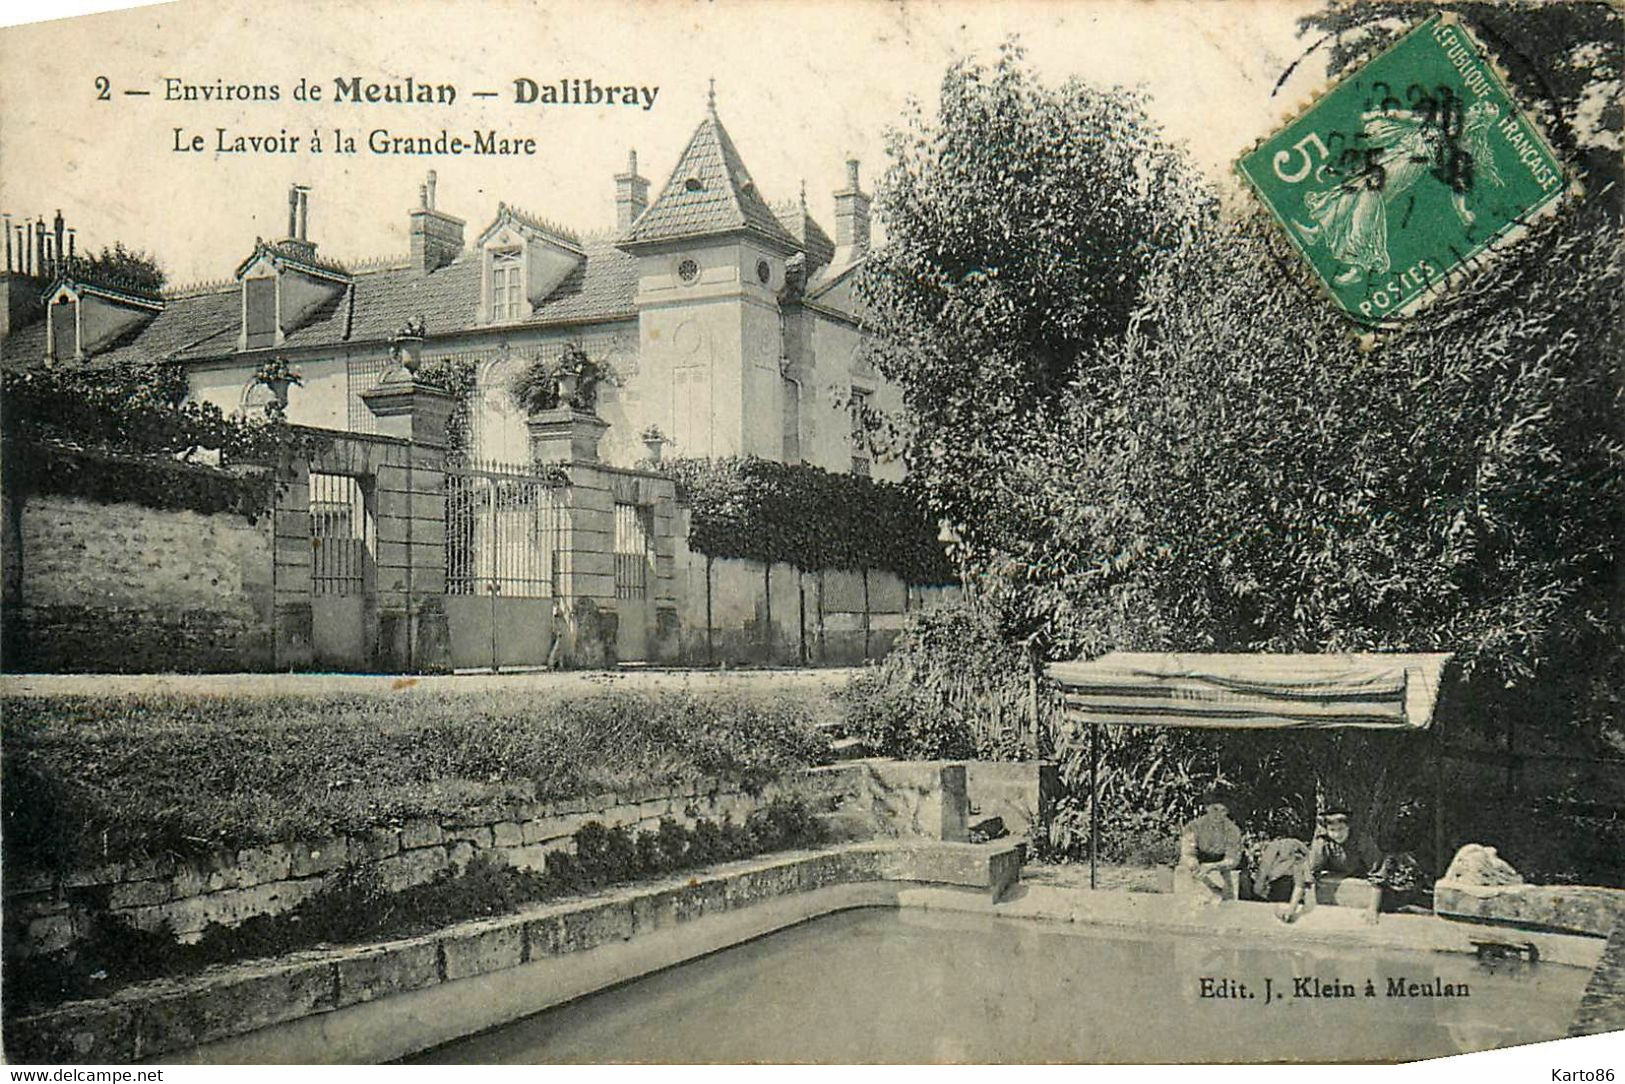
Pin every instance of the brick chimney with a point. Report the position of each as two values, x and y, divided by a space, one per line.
631 193
852 213
437 238
298 238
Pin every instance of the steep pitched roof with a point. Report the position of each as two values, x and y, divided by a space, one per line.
801 225
533 224
709 192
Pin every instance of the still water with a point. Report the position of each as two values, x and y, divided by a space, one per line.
895 985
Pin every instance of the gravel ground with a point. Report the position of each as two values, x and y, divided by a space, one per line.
1113 877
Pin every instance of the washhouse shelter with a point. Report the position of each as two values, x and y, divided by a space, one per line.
1367 691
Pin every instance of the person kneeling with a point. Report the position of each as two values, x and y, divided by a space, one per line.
1341 852
1210 849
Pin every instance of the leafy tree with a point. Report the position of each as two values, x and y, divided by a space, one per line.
1244 477
1200 456
120 266
1020 222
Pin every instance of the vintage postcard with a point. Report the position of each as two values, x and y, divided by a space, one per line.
548 532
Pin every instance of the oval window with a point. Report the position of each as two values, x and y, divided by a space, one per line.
764 271
688 270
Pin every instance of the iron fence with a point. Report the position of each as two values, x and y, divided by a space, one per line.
634 549
342 535
505 529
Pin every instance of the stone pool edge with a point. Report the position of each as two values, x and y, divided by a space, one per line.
385 1001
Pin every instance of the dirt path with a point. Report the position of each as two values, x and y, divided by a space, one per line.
819 683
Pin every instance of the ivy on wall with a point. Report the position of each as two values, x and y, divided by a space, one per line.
804 516
457 375
113 437
172 485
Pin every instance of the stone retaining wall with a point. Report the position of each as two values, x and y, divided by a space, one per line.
228 887
126 588
870 798
162 1020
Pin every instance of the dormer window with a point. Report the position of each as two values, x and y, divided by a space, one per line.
259 312
64 330
507 284
285 284
82 318
524 260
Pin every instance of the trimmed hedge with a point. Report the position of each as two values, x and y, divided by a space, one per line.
800 515
92 780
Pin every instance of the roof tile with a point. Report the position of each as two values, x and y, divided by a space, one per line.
710 191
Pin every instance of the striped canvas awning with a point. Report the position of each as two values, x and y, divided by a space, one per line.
1372 691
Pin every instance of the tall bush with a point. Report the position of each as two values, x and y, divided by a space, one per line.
951 687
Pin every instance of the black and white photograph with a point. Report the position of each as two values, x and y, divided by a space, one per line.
827 532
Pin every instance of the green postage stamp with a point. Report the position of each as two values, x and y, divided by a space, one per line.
1404 173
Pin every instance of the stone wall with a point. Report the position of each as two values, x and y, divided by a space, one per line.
858 799
348 1004
229 887
122 587
738 612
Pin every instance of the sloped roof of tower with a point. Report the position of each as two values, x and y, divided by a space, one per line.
709 192
804 228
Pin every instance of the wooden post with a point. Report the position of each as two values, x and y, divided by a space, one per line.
1440 859
1509 783
865 615
1094 802
496 668
1030 743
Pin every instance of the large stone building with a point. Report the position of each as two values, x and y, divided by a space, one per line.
728 323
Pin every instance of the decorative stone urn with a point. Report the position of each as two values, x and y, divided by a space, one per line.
407 352
406 349
279 387
569 385
654 440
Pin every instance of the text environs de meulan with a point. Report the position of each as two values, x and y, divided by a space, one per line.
358 90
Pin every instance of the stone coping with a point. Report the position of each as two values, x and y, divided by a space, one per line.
1251 921
215 1014
1583 909
381 1002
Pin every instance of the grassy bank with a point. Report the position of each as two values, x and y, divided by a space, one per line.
90 780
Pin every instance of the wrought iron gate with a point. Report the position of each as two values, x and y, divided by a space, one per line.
343 543
634 571
505 533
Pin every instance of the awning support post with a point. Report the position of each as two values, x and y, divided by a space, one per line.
1094 802
1440 859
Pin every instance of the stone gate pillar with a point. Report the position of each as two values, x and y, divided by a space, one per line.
568 438
411 518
